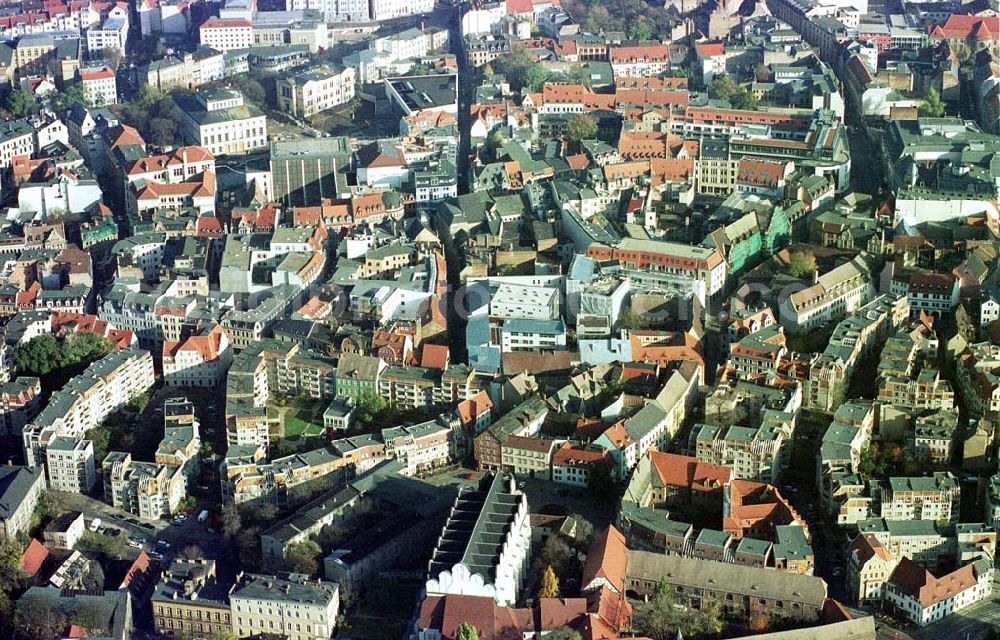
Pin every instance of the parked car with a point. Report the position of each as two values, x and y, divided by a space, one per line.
95 524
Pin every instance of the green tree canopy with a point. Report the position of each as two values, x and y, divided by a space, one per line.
722 87
580 126
63 101
641 29
43 354
801 263
20 103
562 633
661 618
520 70
466 631
932 106
535 76
303 557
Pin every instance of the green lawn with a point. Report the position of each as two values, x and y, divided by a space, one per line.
303 419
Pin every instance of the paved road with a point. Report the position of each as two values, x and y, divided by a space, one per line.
110 516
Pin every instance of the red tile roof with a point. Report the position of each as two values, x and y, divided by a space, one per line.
434 356
687 471
34 556
758 507
644 53
477 405
607 560
967 27
103 73
921 584
226 23
519 7
710 49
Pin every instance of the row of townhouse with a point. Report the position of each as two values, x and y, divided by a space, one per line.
898 562
189 601
831 371
753 453
247 476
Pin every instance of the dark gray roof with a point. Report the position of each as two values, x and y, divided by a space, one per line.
15 484
477 529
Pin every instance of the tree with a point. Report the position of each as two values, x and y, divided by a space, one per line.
801 263
724 88
514 66
933 106
466 631
302 557
641 29
43 354
419 70
550 584
535 76
661 618
562 633
601 481
493 143
247 547
231 521
252 90
40 621
38 356
557 554
20 103
371 407
63 101
580 126
162 131
10 564
630 320
114 57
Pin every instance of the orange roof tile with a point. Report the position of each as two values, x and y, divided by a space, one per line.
33 557
607 559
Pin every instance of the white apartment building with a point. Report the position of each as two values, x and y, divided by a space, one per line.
316 90
924 598
222 122
70 465
17 138
20 488
934 498
835 294
226 34
149 490
532 335
388 9
112 34
87 399
198 361
100 86
525 302
757 454
421 447
639 61
295 609
412 43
